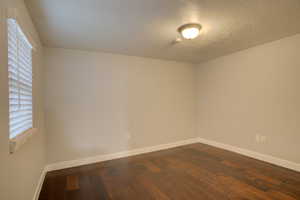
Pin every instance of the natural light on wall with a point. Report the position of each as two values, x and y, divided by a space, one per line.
20 80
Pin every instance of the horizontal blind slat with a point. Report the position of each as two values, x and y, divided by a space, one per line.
17 121
13 75
21 93
15 71
20 124
19 114
12 105
20 85
21 100
19 111
22 79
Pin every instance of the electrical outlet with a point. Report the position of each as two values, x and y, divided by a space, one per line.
257 138
260 138
263 138
128 135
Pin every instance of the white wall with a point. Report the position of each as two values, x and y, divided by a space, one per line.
255 91
99 103
20 172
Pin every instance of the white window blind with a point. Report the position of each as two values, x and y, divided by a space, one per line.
20 80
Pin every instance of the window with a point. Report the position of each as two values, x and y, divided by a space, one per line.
20 80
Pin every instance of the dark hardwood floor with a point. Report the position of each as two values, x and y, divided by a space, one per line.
192 172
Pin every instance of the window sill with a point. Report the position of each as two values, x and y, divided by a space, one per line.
18 141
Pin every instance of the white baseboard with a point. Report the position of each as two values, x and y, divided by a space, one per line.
253 154
40 184
100 158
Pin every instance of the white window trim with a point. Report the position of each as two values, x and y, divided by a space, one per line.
16 142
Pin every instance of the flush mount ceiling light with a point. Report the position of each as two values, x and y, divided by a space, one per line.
189 31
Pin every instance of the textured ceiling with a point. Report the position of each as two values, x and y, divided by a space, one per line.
148 27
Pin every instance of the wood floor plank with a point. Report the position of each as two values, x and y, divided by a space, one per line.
191 172
72 183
